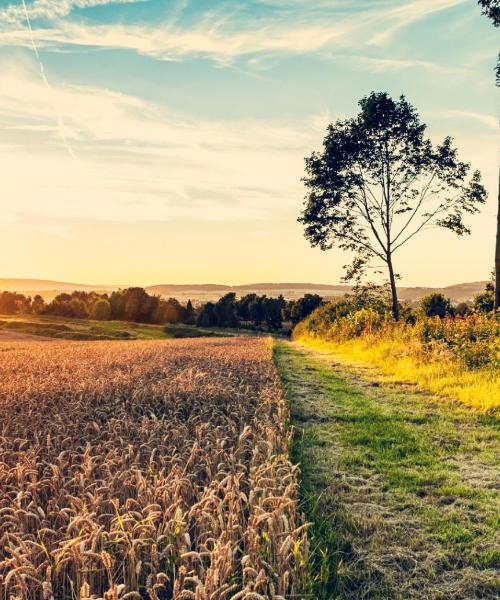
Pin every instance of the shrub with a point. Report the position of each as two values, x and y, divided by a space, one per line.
436 305
472 340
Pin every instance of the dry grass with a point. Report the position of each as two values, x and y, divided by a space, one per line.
146 470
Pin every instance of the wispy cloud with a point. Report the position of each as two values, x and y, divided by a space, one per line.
13 14
137 158
395 64
60 122
488 120
224 33
407 13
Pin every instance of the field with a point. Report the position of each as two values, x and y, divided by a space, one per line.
88 329
197 469
146 469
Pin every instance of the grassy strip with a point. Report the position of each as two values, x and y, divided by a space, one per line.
400 490
325 558
478 388
88 329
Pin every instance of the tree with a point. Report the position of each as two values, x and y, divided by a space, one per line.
9 303
462 309
484 301
256 310
77 308
378 182
272 312
304 306
206 317
225 311
244 306
38 305
190 314
436 305
101 310
174 311
491 8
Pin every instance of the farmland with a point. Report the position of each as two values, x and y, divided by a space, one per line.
153 469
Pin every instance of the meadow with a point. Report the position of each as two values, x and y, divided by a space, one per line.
67 328
146 469
456 358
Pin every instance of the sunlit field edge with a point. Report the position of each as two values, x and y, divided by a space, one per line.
478 388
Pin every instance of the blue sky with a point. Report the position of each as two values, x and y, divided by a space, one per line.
164 140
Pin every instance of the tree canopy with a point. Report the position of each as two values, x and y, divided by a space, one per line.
379 181
491 8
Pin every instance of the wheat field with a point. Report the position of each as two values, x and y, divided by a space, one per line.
146 470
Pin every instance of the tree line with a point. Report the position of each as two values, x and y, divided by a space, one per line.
131 304
260 312
136 305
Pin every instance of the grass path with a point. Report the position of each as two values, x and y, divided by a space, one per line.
402 489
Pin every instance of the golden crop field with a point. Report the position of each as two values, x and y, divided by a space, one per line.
146 470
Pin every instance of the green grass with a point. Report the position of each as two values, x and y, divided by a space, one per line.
401 489
88 329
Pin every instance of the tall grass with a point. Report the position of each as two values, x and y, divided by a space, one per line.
457 358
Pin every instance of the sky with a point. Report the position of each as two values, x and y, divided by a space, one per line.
163 141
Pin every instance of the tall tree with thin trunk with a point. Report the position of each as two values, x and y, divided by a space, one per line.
378 182
491 8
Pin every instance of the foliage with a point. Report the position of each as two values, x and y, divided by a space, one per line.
101 310
444 353
146 470
484 302
12 303
37 305
302 308
472 339
491 8
131 304
436 305
258 312
379 181
190 314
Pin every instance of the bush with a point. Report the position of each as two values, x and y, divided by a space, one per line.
472 340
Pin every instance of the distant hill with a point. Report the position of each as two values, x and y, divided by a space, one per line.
204 292
49 289
43 285
461 292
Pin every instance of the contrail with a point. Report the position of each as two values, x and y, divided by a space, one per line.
60 122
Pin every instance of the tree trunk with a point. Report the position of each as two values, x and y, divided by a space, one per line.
497 255
394 291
